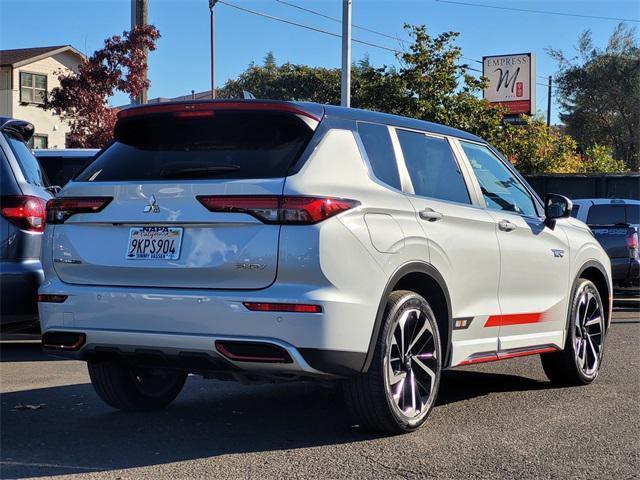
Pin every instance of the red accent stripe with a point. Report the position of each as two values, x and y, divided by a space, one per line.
506 355
513 319
247 358
488 358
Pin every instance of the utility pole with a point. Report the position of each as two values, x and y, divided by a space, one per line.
549 101
139 17
345 87
212 4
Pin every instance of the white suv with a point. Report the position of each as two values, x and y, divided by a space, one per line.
257 240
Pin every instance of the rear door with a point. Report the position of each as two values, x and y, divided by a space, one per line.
534 259
154 174
462 240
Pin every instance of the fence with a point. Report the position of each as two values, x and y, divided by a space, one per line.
625 185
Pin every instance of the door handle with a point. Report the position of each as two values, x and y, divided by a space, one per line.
506 225
431 215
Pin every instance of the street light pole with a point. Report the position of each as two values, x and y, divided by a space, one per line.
549 86
212 4
139 16
345 87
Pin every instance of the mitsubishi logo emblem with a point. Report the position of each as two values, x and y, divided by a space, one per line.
153 206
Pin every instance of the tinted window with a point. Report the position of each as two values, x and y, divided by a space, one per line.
379 148
606 215
500 188
28 163
224 145
574 211
60 170
633 213
433 168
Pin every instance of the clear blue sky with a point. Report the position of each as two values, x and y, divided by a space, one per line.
181 62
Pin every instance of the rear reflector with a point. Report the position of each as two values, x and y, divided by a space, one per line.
253 352
283 307
60 209
63 340
282 210
24 211
52 298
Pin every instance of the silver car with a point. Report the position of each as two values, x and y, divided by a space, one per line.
257 240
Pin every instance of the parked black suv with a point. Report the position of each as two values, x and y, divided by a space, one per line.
23 196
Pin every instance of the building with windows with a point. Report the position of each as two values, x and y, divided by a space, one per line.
26 76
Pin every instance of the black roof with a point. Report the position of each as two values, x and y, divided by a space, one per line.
397 121
332 111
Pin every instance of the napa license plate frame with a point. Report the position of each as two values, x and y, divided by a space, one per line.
154 243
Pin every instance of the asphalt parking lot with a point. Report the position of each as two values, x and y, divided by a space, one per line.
499 420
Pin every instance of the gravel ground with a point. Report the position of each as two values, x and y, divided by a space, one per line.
498 420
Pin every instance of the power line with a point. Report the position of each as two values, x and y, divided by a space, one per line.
543 12
366 29
308 27
334 19
377 32
326 32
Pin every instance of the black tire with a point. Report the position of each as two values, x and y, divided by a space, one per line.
368 396
566 367
126 387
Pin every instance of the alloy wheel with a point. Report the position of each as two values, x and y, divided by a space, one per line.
411 364
589 331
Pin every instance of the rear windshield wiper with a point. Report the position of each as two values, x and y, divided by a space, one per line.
197 172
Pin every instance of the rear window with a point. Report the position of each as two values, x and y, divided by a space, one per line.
633 213
606 215
28 164
231 145
60 169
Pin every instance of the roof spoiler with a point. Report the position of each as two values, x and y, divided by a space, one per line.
208 107
24 129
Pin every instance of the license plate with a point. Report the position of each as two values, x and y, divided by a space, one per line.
154 243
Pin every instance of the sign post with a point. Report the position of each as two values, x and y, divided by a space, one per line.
512 82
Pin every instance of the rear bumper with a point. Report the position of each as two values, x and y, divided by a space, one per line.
625 270
176 323
19 282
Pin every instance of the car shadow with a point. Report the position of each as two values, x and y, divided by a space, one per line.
75 432
30 351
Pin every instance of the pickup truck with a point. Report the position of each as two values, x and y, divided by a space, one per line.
620 241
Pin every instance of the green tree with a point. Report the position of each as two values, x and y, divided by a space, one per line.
599 94
431 83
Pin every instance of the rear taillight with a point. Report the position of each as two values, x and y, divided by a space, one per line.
283 210
48 298
60 209
632 243
24 211
283 307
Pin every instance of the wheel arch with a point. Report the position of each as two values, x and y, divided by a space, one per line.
595 272
426 280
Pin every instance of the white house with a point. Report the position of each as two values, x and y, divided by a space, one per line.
26 75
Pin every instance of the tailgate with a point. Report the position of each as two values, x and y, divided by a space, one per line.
216 250
152 230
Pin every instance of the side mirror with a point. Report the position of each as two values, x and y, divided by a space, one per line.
556 206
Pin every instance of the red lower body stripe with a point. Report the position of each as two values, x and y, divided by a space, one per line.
513 319
505 355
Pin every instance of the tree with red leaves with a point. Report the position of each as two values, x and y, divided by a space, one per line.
82 97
